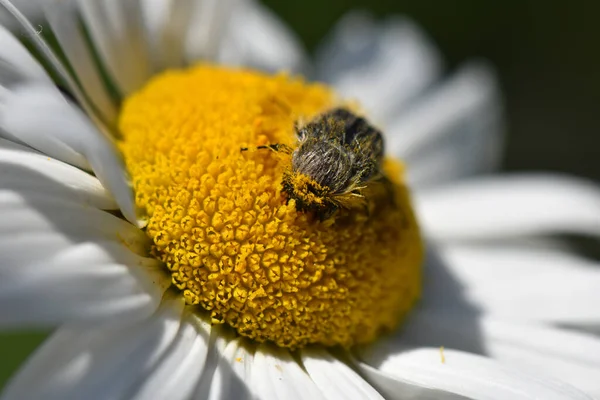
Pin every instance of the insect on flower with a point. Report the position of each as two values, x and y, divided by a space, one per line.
337 164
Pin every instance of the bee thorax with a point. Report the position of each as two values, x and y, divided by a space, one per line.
328 164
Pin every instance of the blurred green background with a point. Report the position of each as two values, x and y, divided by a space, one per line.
547 56
546 53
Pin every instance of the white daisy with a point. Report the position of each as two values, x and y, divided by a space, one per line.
509 307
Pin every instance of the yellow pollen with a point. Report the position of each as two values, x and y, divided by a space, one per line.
301 184
235 246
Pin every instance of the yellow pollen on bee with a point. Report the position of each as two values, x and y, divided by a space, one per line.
234 244
302 188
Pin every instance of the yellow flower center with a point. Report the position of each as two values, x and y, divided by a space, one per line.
234 244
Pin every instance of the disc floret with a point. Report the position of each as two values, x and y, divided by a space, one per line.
234 244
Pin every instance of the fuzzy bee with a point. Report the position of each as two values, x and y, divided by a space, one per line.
339 154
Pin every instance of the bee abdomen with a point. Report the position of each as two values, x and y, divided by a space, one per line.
358 131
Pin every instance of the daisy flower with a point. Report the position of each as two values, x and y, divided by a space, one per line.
175 265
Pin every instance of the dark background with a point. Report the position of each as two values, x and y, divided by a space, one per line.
548 58
547 54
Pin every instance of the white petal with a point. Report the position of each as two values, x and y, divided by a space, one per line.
566 355
65 22
40 117
522 283
208 24
91 363
240 356
335 378
117 29
421 373
454 130
166 23
62 261
16 63
24 168
48 55
276 375
27 7
81 283
228 369
502 207
29 211
382 65
177 374
257 38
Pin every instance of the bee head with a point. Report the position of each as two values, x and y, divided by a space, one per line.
308 194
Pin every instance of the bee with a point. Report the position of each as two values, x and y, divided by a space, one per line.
339 154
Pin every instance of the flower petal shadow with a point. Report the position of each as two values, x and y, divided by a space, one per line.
443 318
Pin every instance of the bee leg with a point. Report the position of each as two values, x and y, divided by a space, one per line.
277 147
327 213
